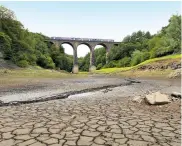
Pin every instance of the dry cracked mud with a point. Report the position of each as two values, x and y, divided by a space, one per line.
104 118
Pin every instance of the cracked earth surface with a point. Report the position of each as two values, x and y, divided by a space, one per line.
96 121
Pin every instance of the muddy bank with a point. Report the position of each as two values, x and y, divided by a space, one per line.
61 89
12 101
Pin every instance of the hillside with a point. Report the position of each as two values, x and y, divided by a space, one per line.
26 49
157 67
5 64
139 47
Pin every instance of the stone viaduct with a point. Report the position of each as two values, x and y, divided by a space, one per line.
91 43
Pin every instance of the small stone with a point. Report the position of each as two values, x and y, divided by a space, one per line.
137 99
176 94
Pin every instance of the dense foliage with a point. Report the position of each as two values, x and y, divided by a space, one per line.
25 48
140 46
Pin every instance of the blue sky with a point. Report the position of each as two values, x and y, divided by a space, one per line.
107 20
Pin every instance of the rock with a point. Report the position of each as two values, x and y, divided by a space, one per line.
175 74
107 90
157 98
175 65
14 103
138 99
174 99
176 94
1 102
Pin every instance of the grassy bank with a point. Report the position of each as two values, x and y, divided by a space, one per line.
20 77
37 73
135 72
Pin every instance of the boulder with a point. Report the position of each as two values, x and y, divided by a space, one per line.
157 98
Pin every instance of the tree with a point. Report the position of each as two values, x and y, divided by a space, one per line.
148 35
5 46
126 39
26 48
173 32
5 14
45 62
136 58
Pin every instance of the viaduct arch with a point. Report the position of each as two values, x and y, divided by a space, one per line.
91 43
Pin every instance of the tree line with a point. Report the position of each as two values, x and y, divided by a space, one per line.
140 46
25 48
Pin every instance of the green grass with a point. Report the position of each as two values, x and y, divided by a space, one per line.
112 70
116 70
160 59
146 73
83 73
19 77
37 73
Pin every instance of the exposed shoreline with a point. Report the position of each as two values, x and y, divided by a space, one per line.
63 95
63 88
107 116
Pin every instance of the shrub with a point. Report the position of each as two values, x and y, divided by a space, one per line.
136 57
145 56
32 59
22 63
153 53
45 62
99 66
110 64
135 60
124 62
